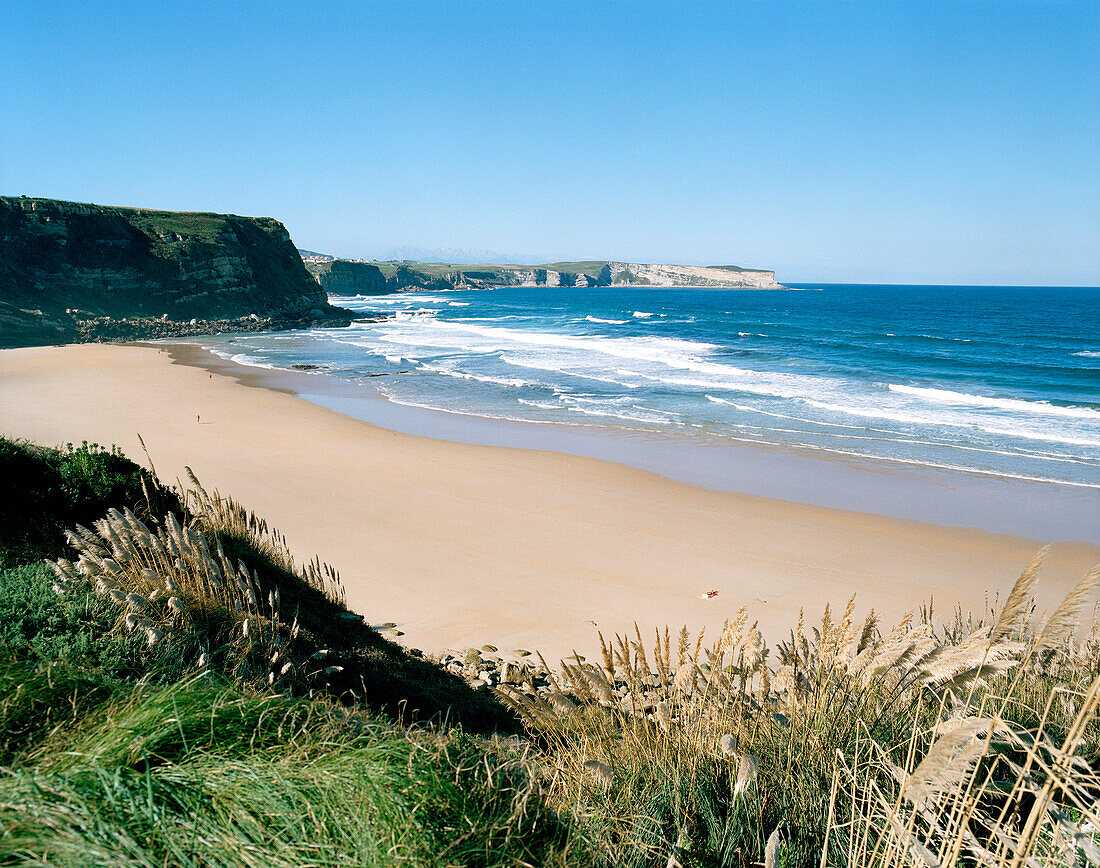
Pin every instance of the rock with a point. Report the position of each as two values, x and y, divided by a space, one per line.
341 277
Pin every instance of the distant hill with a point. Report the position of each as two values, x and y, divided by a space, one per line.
443 275
73 271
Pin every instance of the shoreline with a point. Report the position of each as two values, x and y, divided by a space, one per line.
465 544
880 486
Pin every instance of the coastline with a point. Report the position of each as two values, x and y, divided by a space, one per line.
464 544
882 486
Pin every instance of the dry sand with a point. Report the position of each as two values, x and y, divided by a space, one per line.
463 545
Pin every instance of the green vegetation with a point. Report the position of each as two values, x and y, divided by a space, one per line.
202 772
51 490
587 267
196 225
182 692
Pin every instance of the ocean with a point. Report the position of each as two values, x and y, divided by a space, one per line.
995 381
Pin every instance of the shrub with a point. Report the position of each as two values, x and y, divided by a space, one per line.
44 491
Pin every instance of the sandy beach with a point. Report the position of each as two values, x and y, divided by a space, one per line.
463 544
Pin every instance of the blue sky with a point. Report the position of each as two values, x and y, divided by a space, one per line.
913 142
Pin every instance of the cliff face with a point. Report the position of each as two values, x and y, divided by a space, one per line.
348 278
728 276
431 275
130 262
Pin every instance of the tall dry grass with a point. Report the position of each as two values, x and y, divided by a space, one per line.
175 582
970 743
217 588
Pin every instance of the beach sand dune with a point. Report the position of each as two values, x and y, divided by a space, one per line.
463 545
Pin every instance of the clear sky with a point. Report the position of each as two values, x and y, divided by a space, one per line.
913 142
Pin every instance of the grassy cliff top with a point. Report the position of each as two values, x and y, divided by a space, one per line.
200 225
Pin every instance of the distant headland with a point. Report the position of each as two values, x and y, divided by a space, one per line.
349 277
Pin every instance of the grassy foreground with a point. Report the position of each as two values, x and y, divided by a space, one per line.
176 690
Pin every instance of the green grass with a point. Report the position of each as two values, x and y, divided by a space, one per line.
203 773
194 225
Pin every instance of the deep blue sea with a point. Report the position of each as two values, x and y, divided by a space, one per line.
1002 381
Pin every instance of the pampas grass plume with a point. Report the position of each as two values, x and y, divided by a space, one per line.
728 744
771 850
662 715
746 774
562 704
685 678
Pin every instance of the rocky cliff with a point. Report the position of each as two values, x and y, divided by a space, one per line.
64 265
341 277
436 275
715 276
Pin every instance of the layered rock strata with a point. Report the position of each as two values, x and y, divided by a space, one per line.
65 264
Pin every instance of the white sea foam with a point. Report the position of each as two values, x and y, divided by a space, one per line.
514 382
594 399
648 379
748 409
932 441
246 359
945 396
1018 430
669 350
614 413
607 321
542 366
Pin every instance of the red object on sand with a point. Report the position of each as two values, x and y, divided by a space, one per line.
706 595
